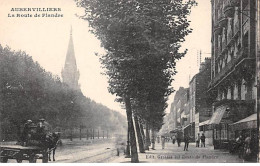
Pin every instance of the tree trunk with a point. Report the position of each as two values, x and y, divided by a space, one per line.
139 136
142 133
127 153
147 137
153 139
134 154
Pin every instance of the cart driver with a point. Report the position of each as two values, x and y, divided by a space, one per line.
26 130
44 127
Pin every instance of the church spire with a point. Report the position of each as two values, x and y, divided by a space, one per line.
70 73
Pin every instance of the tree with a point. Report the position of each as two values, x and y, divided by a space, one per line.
139 35
27 91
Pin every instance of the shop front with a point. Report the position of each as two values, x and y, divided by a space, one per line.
206 129
219 124
226 114
247 127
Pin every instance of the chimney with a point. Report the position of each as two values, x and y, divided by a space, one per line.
202 66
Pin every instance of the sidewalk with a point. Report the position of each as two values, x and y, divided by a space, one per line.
174 154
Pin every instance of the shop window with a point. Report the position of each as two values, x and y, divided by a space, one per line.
249 90
239 90
224 132
201 128
232 89
243 90
229 93
245 42
225 94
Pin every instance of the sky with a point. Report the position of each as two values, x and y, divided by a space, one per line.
46 40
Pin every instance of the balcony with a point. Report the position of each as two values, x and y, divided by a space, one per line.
217 29
223 21
236 23
229 7
230 65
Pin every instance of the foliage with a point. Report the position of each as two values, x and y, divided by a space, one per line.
29 92
143 40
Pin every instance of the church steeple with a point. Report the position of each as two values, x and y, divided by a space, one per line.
70 73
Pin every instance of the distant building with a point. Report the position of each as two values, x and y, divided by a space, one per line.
178 109
70 73
199 101
233 61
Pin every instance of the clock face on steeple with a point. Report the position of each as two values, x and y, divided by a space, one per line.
70 73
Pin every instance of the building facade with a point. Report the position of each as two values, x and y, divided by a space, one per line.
232 86
199 101
70 73
180 111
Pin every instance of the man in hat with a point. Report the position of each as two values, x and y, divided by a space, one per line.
26 130
43 127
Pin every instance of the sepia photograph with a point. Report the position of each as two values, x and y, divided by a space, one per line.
129 81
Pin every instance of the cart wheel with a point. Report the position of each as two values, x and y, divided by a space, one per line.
45 157
19 160
32 159
3 159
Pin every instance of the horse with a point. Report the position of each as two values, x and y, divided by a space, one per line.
52 140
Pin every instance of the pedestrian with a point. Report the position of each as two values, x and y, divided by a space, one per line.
247 150
203 138
198 140
186 141
239 145
254 148
179 139
173 139
163 141
153 143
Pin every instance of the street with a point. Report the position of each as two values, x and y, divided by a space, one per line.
174 154
104 151
82 151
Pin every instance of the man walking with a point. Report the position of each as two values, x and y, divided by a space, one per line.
198 140
186 140
202 138
163 142
179 137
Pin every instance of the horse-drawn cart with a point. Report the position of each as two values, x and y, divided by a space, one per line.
37 142
20 153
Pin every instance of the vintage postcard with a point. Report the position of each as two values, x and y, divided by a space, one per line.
129 81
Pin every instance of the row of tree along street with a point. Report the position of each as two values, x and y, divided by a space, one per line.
27 91
142 39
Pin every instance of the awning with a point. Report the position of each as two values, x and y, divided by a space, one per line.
186 126
249 122
204 123
175 130
217 115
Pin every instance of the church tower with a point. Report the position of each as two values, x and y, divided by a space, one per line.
70 73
